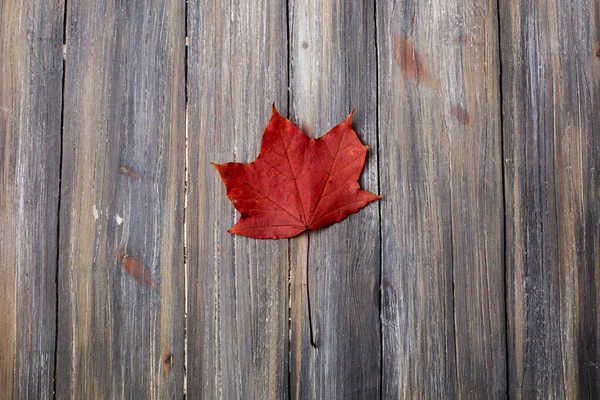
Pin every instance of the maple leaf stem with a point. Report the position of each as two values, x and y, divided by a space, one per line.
310 326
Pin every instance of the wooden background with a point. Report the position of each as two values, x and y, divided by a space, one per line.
476 276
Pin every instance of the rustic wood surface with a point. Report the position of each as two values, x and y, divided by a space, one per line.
238 287
442 225
120 272
551 70
31 68
476 276
333 70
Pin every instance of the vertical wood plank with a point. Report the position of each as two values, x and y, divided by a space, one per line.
551 87
31 68
238 287
333 69
442 214
121 281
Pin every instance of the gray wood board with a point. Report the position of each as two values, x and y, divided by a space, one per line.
121 276
442 213
551 92
31 68
238 287
333 70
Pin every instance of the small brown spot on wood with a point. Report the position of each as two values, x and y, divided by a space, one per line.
305 44
460 115
168 360
121 253
467 40
598 51
128 172
135 268
412 63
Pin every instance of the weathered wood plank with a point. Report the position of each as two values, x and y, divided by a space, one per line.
442 215
238 287
551 88
333 70
31 35
121 280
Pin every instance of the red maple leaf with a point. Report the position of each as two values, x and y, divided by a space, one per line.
297 183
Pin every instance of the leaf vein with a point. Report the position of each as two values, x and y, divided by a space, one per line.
299 198
275 169
272 201
325 185
337 209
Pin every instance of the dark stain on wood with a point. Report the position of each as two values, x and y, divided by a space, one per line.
305 44
460 114
168 361
467 40
412 63
121 253
598 51
129 172
135 268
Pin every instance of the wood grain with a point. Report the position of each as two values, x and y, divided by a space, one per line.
238 287
31 70
333 70
124 111
551 91
442 284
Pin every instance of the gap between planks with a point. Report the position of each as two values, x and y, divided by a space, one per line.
377 133
185 242
186 186
504 191
62 143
